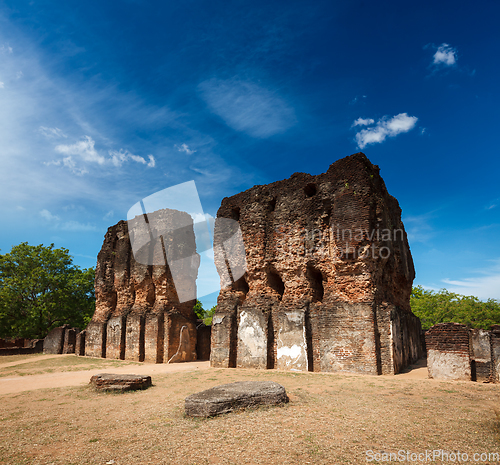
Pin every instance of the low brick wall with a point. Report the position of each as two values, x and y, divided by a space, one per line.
24 346
448 353
20 350
455 351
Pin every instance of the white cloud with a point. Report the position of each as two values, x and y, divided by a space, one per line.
51 133
34 174
77 226
356 99
83 149
385 127
152 161
66 225
118 157
185 148
486 287
445 55
6 49
247 107
49 216
2 85
418 227
19 75
363 122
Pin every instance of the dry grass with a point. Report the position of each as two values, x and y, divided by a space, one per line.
331 419
55 365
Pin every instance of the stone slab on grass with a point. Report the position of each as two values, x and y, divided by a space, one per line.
234 396
113 382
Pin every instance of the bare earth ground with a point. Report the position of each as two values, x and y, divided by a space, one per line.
331 418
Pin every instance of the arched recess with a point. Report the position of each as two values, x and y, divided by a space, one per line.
275 282
315 279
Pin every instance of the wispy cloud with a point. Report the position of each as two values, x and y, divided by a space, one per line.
493 204
385 127
6 49
52 133
363 122
185 148
77 226
84 149
418 227
445 56
118 157
248 107
357 99
56 223
45 214
485 287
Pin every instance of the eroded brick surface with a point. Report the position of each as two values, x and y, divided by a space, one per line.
138 314
328 280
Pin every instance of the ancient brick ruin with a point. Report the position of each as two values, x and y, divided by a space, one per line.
138 314
448 351
457 352
328 280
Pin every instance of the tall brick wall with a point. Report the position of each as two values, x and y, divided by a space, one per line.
138 313
328 280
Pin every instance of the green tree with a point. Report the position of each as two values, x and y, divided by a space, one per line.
209 315
40 289
443 306
202 314
199 310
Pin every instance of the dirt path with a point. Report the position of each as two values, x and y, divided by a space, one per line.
74 378
15 384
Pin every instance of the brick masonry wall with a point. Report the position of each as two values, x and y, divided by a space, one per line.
314 249
138 313
448 351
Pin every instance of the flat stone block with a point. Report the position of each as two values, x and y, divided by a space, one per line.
112 382
234 396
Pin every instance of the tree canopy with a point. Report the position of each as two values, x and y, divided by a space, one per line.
442 306
202 314
40 289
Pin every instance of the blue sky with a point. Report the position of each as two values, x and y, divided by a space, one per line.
105 103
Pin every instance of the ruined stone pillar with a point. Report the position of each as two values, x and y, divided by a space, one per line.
328 276
138 313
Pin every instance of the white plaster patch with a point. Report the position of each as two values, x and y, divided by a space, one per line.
446 365
252 336
296 317
293 352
